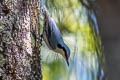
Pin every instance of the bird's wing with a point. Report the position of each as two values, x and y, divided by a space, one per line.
52 38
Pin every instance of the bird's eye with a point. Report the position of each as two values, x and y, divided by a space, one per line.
63 48
59 46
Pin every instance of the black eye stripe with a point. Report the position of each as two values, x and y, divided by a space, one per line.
59 46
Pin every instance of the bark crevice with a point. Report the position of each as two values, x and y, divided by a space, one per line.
20 59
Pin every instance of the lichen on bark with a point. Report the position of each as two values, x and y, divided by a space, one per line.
20 60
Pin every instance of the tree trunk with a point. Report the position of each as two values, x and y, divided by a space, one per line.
18 19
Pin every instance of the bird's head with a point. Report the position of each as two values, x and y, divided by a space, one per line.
64 50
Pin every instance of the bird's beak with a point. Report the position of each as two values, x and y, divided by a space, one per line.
67 62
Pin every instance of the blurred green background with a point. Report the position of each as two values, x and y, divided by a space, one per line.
79 29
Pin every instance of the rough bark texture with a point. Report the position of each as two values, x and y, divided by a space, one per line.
20 59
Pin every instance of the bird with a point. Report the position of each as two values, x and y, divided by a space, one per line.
53 37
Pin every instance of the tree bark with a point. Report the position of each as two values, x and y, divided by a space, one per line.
21 58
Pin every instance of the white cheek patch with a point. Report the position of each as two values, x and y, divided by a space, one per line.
60 51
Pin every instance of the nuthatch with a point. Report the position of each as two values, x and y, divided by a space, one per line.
53 38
